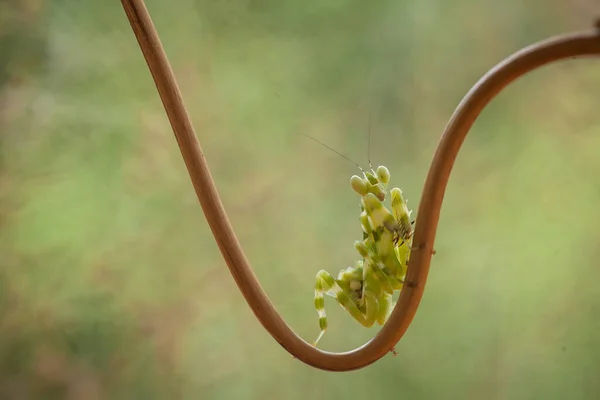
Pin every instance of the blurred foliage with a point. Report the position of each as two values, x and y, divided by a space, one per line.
112 287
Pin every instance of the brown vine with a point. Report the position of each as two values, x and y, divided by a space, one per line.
525 60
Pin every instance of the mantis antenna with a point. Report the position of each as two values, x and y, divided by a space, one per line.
346 157
369 141
335 151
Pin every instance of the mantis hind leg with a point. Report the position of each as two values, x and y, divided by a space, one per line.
326 284
386 305
385 308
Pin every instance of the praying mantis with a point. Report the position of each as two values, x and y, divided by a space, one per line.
365 291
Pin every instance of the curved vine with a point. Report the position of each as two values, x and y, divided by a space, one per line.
520 63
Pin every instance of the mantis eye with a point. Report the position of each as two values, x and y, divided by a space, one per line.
359 185
383 174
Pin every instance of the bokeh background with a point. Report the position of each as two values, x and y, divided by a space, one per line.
112 286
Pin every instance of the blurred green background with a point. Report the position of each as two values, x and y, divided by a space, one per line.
112 286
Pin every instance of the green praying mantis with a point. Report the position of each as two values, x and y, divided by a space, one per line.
365 291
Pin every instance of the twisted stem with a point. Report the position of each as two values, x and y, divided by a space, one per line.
528 59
